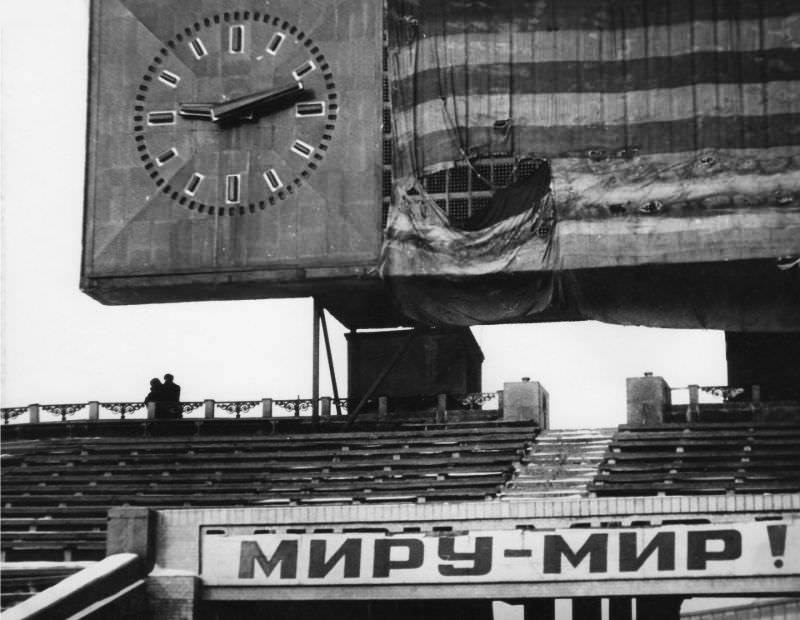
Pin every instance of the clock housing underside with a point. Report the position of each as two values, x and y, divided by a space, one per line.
298 185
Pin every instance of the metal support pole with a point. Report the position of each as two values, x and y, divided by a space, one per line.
620 608
315 369
330 362
589 608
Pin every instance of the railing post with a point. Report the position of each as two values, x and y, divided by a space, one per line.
151 410
383 408
441 407
759 414
33 413
297 407
693 412
94 410
500 402
266 407
325 407
208 408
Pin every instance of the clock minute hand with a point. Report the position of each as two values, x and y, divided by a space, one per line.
247 105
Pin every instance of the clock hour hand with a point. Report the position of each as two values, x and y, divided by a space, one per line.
243 107
239 108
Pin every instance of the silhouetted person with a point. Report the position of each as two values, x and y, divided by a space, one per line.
156 395
172 396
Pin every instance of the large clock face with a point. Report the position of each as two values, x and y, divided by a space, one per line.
235 112
231 143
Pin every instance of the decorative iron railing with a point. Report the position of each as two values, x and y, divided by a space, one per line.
125 410
725 393
265 408
63 411
10 413
296 406
476 400
95 410
238 407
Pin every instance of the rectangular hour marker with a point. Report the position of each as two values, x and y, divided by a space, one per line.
273 180
166 156
307 67
310 108
275 43
169 78
198 49
236 39
302 149
163 117
193 184
232 185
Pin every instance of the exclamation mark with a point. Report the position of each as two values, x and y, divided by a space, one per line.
777 542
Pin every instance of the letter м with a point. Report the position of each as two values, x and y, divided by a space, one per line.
285 555
596 547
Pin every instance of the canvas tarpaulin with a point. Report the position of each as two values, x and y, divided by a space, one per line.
421 240
679 109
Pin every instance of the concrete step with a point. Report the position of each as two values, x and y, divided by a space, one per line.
561 463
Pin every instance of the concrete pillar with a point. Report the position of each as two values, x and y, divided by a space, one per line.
589 608
659 607
500 402
540 609
266 407
526 400
383 408
649 400
620 608
131 529
173 596
208 408
94 410
33 414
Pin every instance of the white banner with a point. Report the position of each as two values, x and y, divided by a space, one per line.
507 556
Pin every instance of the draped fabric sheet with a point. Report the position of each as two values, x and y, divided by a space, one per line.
677 108
420 240
637 104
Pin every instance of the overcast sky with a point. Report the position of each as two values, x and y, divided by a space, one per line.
60 346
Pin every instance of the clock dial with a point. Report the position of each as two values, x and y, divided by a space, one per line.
231 143
235 113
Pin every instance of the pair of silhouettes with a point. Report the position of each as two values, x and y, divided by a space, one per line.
167 398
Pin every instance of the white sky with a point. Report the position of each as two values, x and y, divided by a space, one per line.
60 346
